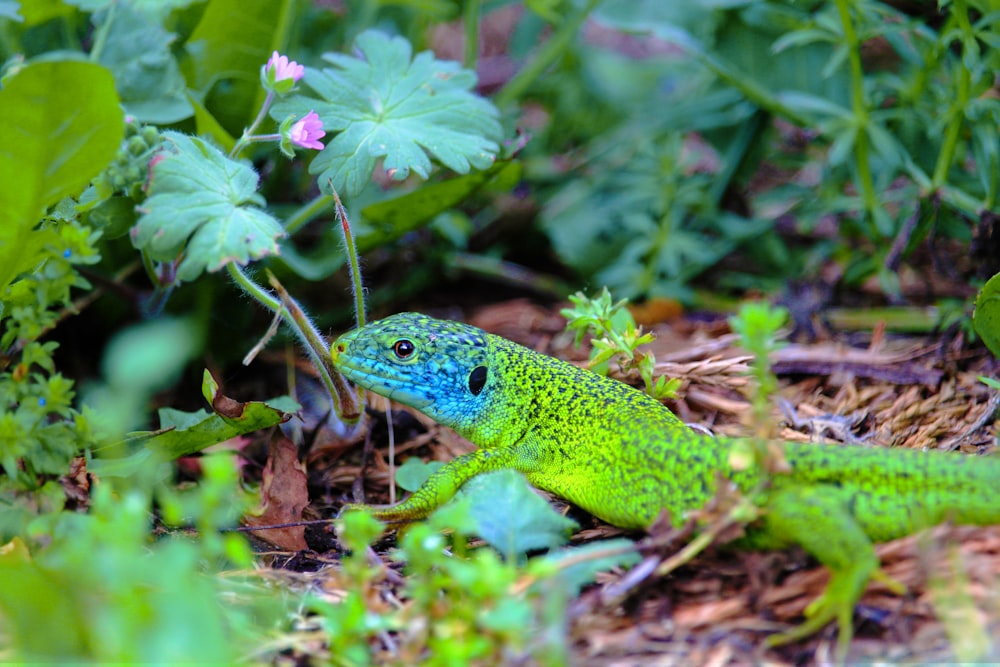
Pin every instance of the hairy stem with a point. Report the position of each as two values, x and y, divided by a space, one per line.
306 213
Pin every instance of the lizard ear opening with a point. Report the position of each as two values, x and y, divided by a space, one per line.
477 380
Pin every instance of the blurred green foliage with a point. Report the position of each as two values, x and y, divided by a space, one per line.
987 315
500 608
652 147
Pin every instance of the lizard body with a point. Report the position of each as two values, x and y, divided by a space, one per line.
624 457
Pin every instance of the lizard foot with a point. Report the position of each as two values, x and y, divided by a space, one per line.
835 604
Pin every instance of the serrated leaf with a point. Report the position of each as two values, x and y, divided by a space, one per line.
507 513
384 105
137 50
206 205
986 318
60 125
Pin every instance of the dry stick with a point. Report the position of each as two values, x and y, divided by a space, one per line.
358 486
392 453
272 330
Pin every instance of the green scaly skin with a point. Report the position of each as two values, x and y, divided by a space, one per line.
624 457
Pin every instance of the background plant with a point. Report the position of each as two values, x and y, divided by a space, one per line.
667 149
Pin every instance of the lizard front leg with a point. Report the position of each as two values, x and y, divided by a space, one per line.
442 486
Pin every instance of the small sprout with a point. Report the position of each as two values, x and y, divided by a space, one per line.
616 337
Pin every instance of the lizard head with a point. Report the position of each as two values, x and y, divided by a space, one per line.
436 366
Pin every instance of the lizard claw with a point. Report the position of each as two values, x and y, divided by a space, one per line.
897 587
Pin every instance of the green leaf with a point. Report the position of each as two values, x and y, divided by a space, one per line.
149 357
232 41
179 419
507 513
37 12
986 318
398 216
60 125
208 125
414 472
206 205
137 51
385 105
8 10
183 433
661 18
583 569
155 9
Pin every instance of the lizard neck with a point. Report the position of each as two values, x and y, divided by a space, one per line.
507 408
533 395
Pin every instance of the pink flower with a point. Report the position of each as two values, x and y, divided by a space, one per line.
280 74
283 68
308 131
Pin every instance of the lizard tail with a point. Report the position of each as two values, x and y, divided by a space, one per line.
896 492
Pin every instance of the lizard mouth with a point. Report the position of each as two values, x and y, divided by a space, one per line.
368 376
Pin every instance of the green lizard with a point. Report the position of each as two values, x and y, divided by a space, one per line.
624 457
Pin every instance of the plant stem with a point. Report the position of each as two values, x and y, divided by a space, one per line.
101 36
306 213
242 142
549 53
470 16
861 117
357 286
957 112
347 401
258 293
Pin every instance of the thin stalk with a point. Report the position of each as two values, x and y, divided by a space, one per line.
860 109
258 293
957 112
549 53
101 36
347 403
147 264
392 453
357 286
754 92
244 140
470 17
306 213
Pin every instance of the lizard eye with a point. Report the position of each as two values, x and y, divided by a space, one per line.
477 380
403 348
